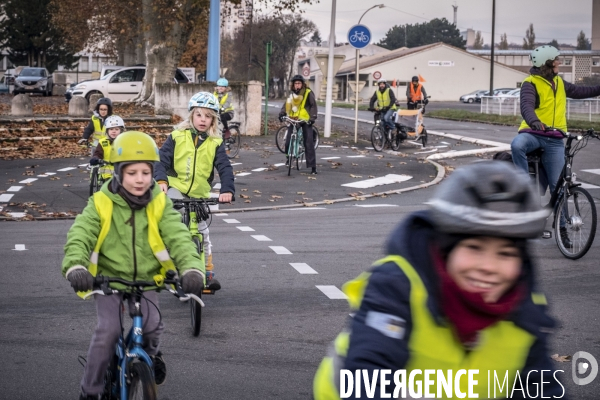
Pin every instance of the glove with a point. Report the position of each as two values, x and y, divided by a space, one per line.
282 116
82 141
192 282
426 101
538 126
95 161
81 280
311 122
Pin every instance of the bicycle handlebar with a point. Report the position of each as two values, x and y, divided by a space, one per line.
294 121
211 201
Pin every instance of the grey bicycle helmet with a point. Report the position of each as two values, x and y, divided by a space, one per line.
489 198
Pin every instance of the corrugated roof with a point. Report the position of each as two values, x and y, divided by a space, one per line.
527 52
367 62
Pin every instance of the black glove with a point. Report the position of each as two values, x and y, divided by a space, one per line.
426 101
81 280
95 161
537 126
192 282
311 122
281 116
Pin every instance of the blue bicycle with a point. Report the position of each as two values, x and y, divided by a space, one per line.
130 374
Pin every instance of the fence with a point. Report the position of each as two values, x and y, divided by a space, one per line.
585 110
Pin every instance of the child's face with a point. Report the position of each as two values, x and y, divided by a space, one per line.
486 265
221 89
137 178
201 119
113 132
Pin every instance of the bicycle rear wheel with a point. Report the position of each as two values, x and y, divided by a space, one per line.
94 181
578 213
280 138
377 138
111 377
395 144
234 142
316 136
424 137
142 386
195 307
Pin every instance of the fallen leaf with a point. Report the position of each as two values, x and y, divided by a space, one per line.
313 178
66 185
271 200
389 165
356 165
247 201
355 176
306 199
300 193
298 201
371 176
54 178
328 201
402 162
274 196
558 358
243 196
256 191
244 190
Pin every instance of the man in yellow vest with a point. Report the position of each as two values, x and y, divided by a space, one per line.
456 291
543 107
415 94
384 101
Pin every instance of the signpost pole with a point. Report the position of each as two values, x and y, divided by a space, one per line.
356 99
359 37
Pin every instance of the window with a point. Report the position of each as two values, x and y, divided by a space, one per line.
124 76
568 61
595 61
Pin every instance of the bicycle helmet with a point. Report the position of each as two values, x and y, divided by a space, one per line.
104 101
222 82
297 78
114 121
204 100
488 198
134 146
415 79
540 55
381 80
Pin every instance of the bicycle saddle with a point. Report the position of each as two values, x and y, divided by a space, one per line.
535 155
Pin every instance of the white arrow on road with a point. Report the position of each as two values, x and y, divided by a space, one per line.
19 247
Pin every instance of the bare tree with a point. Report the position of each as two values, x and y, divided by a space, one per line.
529 39
478 43
503 42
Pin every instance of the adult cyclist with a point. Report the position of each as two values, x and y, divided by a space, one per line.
386 102
415 94
225 107
544 105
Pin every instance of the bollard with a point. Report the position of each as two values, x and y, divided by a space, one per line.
94 100
78 107
22 106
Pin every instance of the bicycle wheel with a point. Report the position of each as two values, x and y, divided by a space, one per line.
316 137
424 137
141 378
280 138
234 142
195 308
94 181
395 141
111 377
377 138
578 213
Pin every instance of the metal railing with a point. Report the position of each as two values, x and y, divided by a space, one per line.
585 110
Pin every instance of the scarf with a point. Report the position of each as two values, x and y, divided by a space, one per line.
134 202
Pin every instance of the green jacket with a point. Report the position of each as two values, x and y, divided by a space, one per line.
126 252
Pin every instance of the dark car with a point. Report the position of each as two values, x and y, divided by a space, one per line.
34 80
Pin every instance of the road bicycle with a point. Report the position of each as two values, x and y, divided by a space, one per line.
282 132
381 135
96 179
130 374
234 141
295 151
195 210
359 37
573 207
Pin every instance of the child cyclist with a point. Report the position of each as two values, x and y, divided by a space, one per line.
225 106
197 142
457 291
114 127
126 227
96 127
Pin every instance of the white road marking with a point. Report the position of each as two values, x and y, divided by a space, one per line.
259 169
361 156
28 180
325 146
5 198
236 163
19 247
14 188
376 205
332 292
280 250
279 164
65 169
213 207
17 214
428 151
440 147
261 238
245 228
304 208
330 158
588 186
303 268
231 221
221 214
217 185
51 173
42 176
214 196
592 171
1 208
243 174
83 165
344 147
369 148
444 143
383 180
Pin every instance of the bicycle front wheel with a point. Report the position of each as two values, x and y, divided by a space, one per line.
377 138
575 223
195 307
316 137
234 142
142 386
280 138
94 181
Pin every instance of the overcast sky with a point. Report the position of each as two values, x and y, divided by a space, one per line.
552 19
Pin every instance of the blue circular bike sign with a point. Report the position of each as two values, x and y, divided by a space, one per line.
359 36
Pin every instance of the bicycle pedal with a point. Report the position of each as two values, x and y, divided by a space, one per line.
547 235
208 291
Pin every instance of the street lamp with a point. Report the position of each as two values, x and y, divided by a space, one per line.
356 87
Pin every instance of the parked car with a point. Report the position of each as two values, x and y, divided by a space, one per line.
3 85
69 92
34 80
473 96
121 85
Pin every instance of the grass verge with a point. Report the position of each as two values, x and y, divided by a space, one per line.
362 107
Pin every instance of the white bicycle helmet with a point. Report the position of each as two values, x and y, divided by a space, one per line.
540 55
114 121
204 100
381 80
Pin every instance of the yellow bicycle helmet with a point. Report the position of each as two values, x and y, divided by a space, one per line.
134 146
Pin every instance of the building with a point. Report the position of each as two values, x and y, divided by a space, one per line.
469 37
596 25
234 16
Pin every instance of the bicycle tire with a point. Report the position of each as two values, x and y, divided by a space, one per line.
234 142
316 137
280 137
195 308
111 377
377 138
142 386
424 137
580 222
94 181
395 144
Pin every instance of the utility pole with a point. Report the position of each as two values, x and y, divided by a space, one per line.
492 44
330 77
213 65
455 12
269 51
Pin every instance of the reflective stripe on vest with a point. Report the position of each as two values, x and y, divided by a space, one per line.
99 128
502 347
193 165
301 113
552 110
154 212
106 171
415 95
223 101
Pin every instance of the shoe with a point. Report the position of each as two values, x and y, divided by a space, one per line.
314 171
211 282
84 396
287 162
564 237
160 368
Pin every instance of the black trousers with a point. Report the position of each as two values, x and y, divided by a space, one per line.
309 150
224 118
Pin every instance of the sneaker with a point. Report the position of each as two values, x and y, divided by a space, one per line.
211 282
160 368
287 162
314 171
84 396
564 237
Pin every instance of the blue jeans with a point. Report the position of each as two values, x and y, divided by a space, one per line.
387 118
553 158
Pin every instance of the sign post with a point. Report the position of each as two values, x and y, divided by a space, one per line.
359 36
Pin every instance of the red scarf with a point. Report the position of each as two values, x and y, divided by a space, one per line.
468 312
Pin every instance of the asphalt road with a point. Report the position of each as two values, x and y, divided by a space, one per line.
265 332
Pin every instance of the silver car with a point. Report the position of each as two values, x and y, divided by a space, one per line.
34 80
473 97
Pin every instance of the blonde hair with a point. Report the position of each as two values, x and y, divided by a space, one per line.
213 129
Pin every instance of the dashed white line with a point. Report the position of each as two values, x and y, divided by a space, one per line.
5 198
361 156
19 247
243 174
259 169
325 146
304 208
65 169
303 268
383 180
330 158
280 250
83 165
426 152
28 180
332 292
51 173
17 214
231 221
376 205
237 163
221 214
279 164
261 238
42 176
588 186
245 228
14 188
